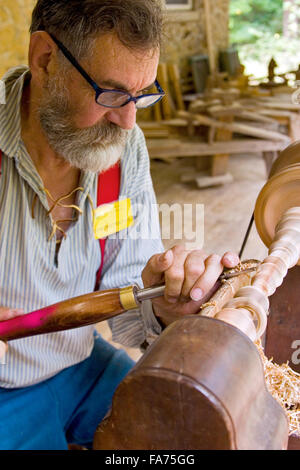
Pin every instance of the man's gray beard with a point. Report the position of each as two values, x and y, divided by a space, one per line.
95 148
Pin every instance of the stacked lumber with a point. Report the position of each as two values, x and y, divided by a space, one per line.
225 119
224 108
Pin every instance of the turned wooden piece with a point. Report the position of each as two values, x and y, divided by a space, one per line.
223 296
284 253
277 218
289 156
226 290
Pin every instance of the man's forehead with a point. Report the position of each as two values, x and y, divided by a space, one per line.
112 48
113 64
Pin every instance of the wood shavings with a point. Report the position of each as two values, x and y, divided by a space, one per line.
239 267
284 385
229 282
208 304
242 266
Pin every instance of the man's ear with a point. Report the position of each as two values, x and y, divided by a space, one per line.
42 56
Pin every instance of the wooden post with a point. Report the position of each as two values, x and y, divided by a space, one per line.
174 76
166 103
219 162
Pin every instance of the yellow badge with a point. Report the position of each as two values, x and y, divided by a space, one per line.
111 218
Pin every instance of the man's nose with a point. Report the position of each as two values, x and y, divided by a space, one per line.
124 117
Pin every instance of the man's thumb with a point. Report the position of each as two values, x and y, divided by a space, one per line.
155 267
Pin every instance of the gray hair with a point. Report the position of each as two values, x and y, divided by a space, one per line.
76 23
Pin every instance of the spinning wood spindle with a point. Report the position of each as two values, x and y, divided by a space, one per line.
248 310
277 218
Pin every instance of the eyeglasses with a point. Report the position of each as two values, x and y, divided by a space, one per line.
112 98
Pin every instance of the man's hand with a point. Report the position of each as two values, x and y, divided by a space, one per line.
7 314
189 277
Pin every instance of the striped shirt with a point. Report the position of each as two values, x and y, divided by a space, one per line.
32 277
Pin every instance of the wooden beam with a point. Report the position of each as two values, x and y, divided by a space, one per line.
239 112
271 103
237 127
178 148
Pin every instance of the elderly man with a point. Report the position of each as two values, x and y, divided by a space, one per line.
69 117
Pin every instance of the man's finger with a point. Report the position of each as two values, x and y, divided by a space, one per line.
156 266
194 268
175 274
230 259
213 269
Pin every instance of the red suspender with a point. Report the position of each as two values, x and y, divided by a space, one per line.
108 191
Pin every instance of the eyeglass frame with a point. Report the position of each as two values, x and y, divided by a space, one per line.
98 90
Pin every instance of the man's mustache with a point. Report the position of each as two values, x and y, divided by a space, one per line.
100 133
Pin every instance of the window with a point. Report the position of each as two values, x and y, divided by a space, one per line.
179 4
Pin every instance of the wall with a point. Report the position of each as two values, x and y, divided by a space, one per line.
14 37
186 32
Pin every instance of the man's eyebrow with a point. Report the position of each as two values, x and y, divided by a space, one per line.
114 85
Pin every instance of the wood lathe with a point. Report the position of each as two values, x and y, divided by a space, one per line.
201 385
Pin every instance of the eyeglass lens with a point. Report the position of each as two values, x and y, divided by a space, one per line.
112 98
117 99
146 101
